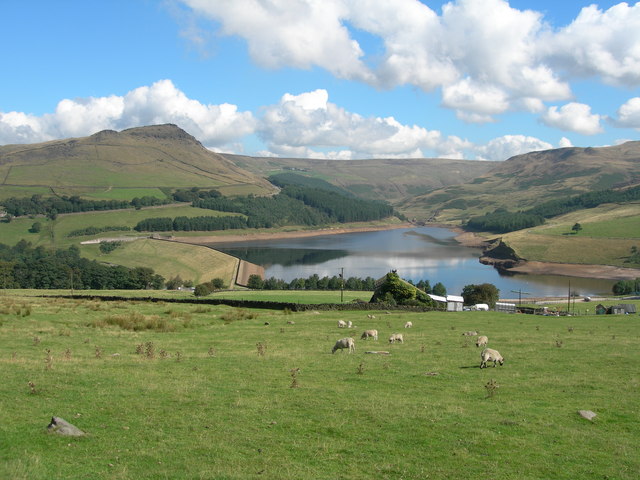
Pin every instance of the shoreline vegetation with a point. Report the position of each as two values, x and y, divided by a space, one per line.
465 238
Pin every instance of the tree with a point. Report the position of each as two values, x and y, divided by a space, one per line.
255 282
217 283
482 293
174 283
36 227
439 289
394 288
202 290
576 228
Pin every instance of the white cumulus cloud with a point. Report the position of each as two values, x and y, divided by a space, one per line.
473 50
215 126
507 146
309 121
598 43
573 117
629 114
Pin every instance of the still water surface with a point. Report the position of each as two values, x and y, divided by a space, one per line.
424 253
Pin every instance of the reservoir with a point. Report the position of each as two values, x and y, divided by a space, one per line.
420 253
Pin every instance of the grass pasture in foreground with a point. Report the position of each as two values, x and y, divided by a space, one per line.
194 391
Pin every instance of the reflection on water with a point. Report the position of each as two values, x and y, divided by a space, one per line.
425 253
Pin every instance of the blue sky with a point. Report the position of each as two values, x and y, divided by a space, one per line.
337 79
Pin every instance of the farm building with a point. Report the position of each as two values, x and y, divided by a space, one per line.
454 303
622 309
505 307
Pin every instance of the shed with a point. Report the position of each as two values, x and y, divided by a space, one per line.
505 307
601 309
454 303
622 309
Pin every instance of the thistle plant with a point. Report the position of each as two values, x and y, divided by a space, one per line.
491 386
294 378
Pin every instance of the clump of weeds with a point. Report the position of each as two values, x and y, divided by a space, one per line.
98 352
360 369
491 386
237 314
262 348
32 387
48 361
212 352
150 350
294 378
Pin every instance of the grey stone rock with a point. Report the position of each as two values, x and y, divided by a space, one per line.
62 427
588 414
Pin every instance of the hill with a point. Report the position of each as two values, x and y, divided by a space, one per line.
124 164
392 180
526 180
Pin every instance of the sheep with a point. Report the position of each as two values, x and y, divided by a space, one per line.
488 355
349 324
470 334
369 333
343 343
396 338
342 324
408 325
371 316
482 341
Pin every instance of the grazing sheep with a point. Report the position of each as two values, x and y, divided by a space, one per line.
408 325
470 334
343 343
342 324
369 333
490 355
396 338
482 341
371 316
349 324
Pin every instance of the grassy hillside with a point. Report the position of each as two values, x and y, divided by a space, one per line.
607 236
191 262
168 259
527 180
127 162
213 392
392 180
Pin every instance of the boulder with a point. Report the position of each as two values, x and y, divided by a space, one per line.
62 427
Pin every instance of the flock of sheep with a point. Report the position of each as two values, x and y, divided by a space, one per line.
347 343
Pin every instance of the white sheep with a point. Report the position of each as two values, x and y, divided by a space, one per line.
371 316
349 324
470 334
369 333
490 355
342 324
343 343
408 325
482 341
396 338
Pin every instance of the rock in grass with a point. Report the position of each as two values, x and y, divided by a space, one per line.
62 427
588 414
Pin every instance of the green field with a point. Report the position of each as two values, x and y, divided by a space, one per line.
55 233
607 236
195 391
191 262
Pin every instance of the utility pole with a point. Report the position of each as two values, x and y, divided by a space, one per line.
520 293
